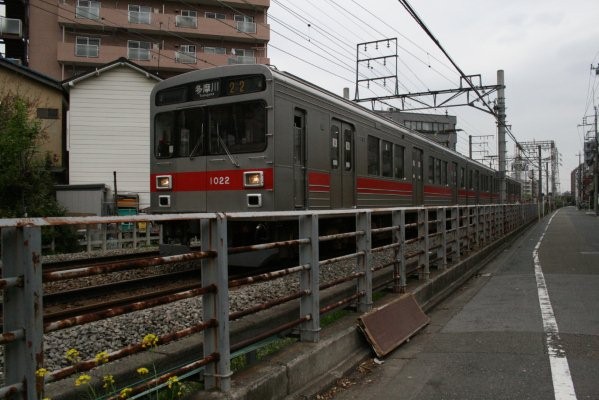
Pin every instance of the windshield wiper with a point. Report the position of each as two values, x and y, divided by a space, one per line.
222 143
198 143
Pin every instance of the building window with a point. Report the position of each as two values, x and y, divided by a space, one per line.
374 160
214 15
87 9
87 47
138 50
140 14
186 54
431 170
47 113
187 19
215 50
245 24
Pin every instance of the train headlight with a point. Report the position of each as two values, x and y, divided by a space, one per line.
253 179
164 182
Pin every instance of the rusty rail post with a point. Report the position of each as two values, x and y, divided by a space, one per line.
399 270
423 258
21 256
364 246
443 225
216 305
309 279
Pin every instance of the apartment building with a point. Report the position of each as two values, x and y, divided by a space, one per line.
64 38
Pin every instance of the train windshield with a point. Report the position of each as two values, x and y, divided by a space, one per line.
216 130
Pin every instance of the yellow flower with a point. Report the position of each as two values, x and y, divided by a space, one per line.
108 381
171 381
102 357
125 393
72 355
83 379
142 371
150 340
41 372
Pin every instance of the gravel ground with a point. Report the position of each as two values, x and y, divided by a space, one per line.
117 332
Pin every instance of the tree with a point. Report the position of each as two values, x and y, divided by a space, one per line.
26 184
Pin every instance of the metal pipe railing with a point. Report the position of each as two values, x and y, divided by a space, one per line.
423 236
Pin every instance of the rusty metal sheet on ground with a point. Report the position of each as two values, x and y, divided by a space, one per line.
389 326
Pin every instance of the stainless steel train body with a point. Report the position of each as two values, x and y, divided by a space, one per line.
251 138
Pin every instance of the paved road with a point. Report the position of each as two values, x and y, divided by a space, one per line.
526 328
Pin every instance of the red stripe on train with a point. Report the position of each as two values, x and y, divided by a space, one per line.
319 182
211 180
379 186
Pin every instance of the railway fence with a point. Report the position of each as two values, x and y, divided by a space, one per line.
419 239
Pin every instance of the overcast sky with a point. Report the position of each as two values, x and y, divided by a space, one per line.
545 48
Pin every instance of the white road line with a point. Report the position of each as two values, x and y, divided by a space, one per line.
563 387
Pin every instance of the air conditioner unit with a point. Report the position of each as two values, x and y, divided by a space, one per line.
17 61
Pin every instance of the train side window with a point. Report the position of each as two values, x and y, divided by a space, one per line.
470 179
444 173
431 169
462 177
373 156
476 180
387 158
398 161
348 149
334 146
437 171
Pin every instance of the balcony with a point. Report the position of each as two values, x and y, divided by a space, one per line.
184 57
242 60
158 24
87 50
10 28
91 12
163 60
138 54
137 17
246 27
182 21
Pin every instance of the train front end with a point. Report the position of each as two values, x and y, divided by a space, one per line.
211 147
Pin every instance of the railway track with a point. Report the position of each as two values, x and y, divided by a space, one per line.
86 297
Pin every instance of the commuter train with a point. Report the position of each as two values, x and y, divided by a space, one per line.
252 138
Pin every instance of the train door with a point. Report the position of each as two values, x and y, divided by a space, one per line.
342 165
453 182
417 178
299 159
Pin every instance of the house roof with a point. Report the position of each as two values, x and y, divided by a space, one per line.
30 74
121 62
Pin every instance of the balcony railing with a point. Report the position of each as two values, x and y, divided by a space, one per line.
10 26
242 60
138 54
247 27
182 21
87 50
140 17
92 12
184 57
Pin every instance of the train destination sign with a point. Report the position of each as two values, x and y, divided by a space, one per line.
220 87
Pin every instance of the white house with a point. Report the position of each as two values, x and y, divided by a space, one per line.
108 128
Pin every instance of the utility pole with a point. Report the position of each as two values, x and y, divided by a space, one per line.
578 195
501 149
596 166
540 181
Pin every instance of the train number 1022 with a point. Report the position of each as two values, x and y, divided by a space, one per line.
219 180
